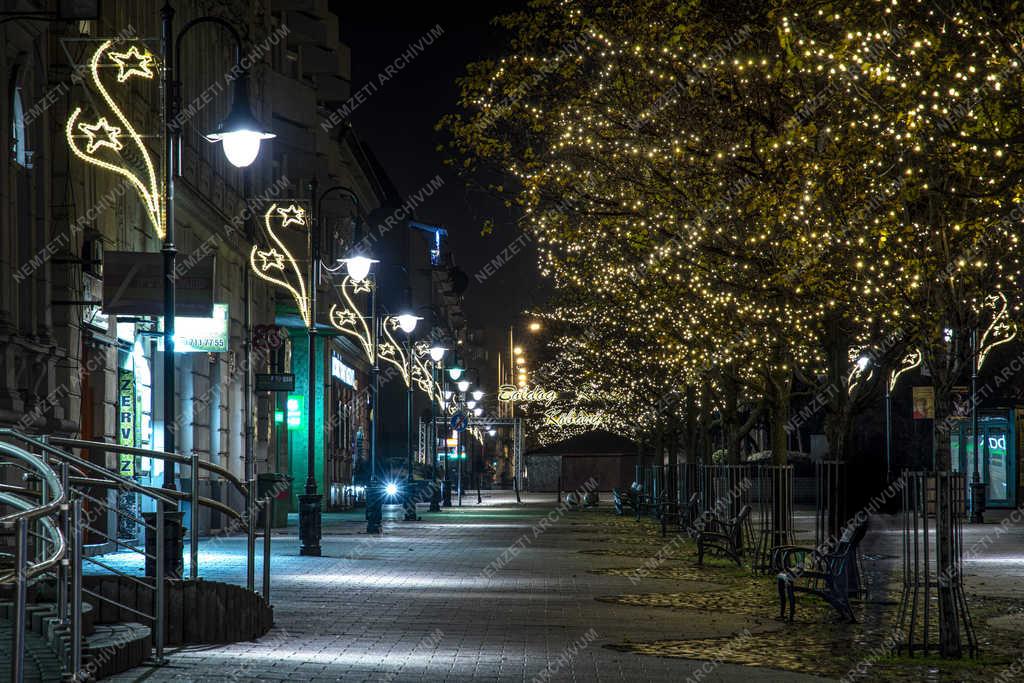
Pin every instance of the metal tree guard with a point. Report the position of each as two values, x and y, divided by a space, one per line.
933 614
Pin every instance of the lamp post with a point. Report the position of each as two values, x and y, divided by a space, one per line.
240 134
358 268
407 322
437 356
977 485
454 374
311 503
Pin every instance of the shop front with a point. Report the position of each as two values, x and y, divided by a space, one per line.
347 430
999 446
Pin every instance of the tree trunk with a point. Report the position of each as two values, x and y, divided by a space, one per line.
780 385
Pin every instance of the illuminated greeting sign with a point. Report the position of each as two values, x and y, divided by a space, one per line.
556 417
276 264
108 138
509 392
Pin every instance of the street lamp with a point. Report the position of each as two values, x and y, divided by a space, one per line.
407 321
437 356
455 372
241 135
471 404
310 503
358 267
477 395
463 385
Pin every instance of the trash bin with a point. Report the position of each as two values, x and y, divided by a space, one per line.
275 486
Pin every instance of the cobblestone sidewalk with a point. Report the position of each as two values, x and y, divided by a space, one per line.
481 593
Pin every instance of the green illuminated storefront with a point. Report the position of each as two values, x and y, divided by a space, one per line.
999 443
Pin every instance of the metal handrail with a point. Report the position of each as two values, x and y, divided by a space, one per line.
163 455
49 478
84 464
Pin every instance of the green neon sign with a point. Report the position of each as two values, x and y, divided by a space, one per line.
296 410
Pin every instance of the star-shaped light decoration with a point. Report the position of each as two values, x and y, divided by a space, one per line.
270 259
344 318
387 349
392 322
291 214
362 286
101 134
132 63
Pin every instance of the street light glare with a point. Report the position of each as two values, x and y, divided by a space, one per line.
477 394
862 362
463 385
455 372
518 350
534 327
437 353
407 321
478 411
391 488
358 267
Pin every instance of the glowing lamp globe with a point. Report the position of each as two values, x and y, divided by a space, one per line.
463 385
437 353
477 394
240 133
407 321
471 404
358 267
478 411
455 372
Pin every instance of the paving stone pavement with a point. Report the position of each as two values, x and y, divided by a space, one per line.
415 604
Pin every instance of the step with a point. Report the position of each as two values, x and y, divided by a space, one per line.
43 663
114 648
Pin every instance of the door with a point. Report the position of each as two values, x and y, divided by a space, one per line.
997 467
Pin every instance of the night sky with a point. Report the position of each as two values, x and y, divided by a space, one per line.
398 121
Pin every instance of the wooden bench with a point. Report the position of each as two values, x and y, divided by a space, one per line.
829 575
724 536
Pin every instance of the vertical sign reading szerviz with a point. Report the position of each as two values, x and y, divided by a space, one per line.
126 420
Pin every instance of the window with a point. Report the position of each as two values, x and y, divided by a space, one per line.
19 144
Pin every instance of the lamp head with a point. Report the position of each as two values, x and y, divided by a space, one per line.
407 321
437 353
463 385
478 411
477 394
241 133
455 372
471 404
447 395
358 267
